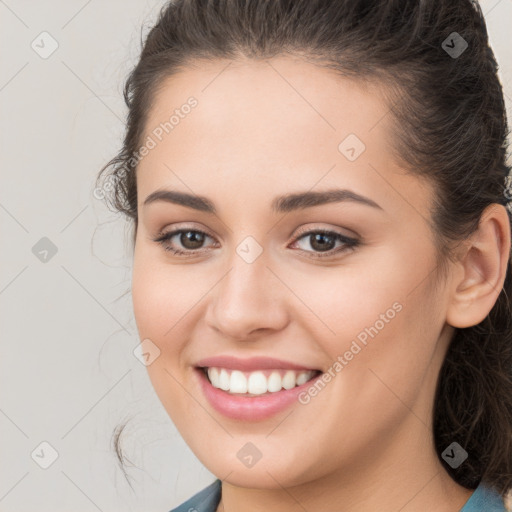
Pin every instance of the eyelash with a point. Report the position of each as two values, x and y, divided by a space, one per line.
348 243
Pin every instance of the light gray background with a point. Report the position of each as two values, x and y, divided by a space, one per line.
68 373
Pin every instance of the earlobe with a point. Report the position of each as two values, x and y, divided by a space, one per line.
483 268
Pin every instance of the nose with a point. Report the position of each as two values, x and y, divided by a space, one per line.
248 301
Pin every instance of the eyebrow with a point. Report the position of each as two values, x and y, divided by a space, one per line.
281 204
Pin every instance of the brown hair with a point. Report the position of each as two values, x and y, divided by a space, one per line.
450 126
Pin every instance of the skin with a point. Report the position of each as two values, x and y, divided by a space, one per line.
262 129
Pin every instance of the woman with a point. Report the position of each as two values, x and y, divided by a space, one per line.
322 243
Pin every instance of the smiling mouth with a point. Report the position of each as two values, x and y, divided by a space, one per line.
258 382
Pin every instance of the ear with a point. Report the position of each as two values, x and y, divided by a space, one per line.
482 268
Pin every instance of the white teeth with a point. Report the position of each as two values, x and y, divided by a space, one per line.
274 382
223 380
256 383
302 378
289 380
213 374
238 382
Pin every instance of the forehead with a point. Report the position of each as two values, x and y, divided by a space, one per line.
282 92
284 121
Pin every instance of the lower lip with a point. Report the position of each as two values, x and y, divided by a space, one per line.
250 408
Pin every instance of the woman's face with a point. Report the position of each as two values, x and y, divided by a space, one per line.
262 143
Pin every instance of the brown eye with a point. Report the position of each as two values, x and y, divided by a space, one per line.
188 241
191 239
322 243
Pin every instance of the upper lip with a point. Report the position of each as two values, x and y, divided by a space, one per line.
250 364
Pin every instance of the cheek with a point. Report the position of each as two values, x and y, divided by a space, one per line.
367 298
376 320
168 304
152 301
163 304
165 297
159 301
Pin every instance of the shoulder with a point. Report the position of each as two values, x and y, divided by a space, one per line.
486 499
205 500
